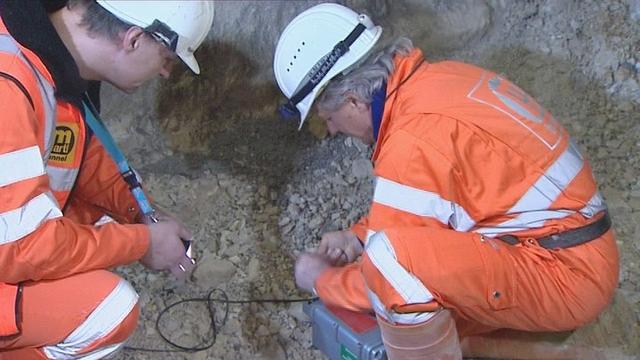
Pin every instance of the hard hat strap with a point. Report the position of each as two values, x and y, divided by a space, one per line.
163 33
320 70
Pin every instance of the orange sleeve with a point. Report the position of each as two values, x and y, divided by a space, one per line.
343 287
56 247
61 247
100 189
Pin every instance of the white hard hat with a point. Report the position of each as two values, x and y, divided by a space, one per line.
311 51
181 25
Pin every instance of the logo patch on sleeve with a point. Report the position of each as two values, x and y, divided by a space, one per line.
64 144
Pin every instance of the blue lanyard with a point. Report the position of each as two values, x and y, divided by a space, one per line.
97 126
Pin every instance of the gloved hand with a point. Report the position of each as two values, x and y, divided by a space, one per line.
341 247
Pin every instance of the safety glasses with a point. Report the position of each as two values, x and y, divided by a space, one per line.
163 34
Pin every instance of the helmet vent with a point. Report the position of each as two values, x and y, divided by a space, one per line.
295 57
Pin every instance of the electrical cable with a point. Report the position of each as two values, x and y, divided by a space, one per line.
210 300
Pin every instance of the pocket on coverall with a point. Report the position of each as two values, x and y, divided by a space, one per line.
499 268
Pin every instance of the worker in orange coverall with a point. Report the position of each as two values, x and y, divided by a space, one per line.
485 215
57 298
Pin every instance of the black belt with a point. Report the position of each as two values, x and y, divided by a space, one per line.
569 238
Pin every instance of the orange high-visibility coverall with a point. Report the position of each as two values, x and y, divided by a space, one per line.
56 300
464 156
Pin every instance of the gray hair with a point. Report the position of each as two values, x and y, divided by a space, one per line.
98 20
365 79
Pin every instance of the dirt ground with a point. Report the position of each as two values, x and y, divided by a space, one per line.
256 192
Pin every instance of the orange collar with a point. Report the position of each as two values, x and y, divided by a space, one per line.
404 68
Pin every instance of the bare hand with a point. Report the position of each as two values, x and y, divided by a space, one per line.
307 269
341 247
183 270
166 250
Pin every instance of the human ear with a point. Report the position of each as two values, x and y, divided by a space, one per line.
131 38
358 104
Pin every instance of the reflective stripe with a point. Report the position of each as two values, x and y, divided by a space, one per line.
370 233
382 255
48 97
24 164
100 353
422 203
100 323
594 206
8 45
551 184
524 221
18 223
532 208
393 317
47 92
61 179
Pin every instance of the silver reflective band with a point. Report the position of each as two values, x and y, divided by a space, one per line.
382 255
24 164
422 203
531 210
533 207
110 313
8 45
393 317
18 223
62 179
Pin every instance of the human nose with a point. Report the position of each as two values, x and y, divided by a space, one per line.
327 120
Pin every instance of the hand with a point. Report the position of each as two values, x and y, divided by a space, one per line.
307 269
342 247
166 250
183 269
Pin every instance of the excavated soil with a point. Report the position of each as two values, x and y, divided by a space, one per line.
256 192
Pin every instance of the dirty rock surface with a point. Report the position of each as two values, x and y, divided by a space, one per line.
256 192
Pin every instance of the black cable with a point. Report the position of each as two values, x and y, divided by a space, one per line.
208 343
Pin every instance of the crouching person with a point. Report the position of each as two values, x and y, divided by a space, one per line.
485 215
57 298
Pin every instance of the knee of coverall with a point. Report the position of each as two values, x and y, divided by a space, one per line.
396 294
104 331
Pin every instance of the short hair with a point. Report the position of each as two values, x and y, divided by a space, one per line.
365 79
98 20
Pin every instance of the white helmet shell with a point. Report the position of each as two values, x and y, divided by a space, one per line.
191 20
309 37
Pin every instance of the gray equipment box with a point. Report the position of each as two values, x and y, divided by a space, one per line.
345 335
